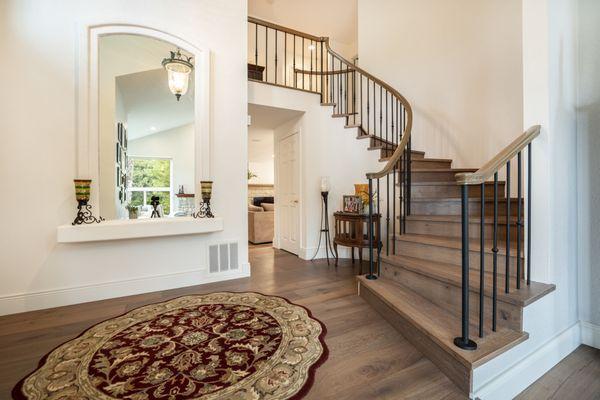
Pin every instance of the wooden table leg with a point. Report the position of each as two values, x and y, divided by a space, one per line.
336 253
352 252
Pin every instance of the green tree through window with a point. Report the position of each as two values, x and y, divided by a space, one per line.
150 177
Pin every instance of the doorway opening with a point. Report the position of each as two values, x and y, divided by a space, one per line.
274 205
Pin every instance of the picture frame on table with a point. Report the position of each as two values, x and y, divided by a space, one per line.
352 204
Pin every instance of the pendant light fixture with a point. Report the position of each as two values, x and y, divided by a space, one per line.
178 68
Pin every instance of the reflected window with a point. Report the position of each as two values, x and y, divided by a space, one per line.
150 176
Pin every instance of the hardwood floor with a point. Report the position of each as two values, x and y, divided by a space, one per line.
577 377
368 359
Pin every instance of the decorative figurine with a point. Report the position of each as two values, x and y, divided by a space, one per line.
155 202
204 210
84 210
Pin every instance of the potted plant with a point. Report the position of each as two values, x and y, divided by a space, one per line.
133 211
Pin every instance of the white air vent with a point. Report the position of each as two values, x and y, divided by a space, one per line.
222 257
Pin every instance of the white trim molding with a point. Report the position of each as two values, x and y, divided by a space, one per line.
523 373
24 302
590 334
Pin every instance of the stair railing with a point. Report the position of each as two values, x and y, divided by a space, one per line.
289 58
478 178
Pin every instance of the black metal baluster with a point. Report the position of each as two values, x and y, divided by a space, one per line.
346 90
394 192
276 56
266 54
322 90
368 107
507 252
519 221
285 35
381 115
387 115
409 175
495 256
355 113
256 44
463 341
529 213
303 72
295 73
371 200
311 65
481 259
340 95
374 111
371 276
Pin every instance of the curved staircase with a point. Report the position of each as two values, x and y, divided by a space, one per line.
453 257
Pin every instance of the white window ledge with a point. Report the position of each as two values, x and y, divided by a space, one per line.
138 228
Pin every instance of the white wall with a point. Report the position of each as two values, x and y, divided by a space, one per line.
260 155
549 71
588 162
176 144
333 18
38 156
326 149
459 65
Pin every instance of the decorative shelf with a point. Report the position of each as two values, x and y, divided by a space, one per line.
138 228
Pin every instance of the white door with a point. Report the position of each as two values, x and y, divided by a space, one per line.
288 201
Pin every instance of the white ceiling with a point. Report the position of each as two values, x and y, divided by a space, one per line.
260 132
264 117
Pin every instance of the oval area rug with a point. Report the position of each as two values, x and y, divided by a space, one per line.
245 346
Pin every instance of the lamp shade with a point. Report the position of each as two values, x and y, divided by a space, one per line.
178 73
82 190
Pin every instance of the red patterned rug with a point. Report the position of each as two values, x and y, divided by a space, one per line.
216 346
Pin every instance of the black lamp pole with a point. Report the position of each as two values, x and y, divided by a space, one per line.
325 229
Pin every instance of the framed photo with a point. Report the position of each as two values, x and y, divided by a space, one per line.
353 204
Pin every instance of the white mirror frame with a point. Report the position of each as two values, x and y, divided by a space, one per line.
88 107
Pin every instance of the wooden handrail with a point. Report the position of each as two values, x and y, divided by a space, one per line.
397 155
507 154
280 28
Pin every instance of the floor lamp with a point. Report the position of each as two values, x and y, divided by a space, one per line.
325 221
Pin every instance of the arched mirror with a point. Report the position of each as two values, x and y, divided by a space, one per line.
146 148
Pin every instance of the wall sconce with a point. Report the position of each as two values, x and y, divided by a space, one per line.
204 210
84 210
178 68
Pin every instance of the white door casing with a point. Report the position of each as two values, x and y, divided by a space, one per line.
288 188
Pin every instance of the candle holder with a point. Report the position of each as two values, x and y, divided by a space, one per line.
325 223
204 210
84 210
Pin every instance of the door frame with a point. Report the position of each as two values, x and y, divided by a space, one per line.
300 189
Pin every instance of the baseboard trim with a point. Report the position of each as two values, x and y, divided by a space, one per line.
24 302
523 373
590 334
307 253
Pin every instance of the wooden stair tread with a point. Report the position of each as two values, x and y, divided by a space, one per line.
456 243
457 170
439 325
447 183
477 199
341 115
457 218
452 274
